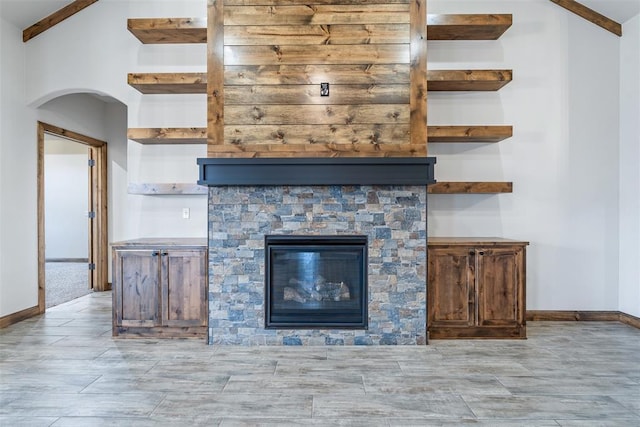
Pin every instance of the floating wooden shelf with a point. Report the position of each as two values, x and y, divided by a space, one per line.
436 134
439 27
169 30
469 133
467 80
442 187
168 83
175 189
166 136
438 80
467 27
451 187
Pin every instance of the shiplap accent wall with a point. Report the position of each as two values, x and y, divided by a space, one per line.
267 61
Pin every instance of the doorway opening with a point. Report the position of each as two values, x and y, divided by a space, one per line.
60 214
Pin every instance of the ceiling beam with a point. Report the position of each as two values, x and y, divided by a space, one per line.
591 15
55 18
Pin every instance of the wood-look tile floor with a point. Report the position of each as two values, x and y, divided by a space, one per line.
65 369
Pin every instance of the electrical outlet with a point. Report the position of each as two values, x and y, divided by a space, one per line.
185 213
324 89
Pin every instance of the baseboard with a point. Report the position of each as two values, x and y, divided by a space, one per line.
567 316
630 320
583 316
19 316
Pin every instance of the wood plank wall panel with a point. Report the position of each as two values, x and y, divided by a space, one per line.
418 73
309 14
317 34
316 74
215 75
276 54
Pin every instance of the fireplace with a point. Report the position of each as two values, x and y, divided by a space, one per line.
322 202
316 282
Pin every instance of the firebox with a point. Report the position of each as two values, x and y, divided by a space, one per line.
316 282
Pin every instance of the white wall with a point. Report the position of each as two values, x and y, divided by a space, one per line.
104 25
92 52
18 239
563 158
66 199
629 170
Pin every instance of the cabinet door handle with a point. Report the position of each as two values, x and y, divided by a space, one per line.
472 253
164 253
155 253
481 253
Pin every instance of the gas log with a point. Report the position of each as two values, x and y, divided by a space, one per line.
318 290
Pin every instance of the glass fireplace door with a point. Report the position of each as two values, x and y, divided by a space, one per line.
316 282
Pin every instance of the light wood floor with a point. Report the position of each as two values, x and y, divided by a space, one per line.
65 369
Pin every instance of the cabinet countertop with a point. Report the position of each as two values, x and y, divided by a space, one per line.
162 241
476 241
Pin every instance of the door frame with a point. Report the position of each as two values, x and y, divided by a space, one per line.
98 235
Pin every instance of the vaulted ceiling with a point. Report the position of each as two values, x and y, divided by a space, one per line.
24 13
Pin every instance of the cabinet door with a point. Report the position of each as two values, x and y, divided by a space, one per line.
450 290
184 285
500 285
137 288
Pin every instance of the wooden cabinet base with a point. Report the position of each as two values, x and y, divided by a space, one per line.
160 288
160 332
476 288
478 332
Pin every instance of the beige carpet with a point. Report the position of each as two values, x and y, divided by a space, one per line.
65 281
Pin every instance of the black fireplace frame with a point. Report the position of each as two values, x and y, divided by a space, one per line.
317 171
277 241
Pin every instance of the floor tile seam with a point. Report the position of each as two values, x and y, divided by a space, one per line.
155 408
545 394
632 409
226 383
151 368
313 407
559 394
575 378
430 396
631 414
37 418
51 344
466 404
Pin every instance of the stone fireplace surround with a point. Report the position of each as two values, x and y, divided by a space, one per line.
392 215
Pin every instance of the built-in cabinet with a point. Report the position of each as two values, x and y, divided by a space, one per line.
476 288
160 288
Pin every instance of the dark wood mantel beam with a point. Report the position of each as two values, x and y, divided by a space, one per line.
591 15
55 18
